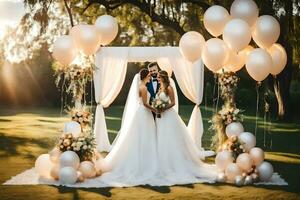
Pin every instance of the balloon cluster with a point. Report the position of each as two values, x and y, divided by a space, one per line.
248 166
234 51
85 38
66 166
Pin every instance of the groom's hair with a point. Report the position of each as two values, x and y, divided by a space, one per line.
153 64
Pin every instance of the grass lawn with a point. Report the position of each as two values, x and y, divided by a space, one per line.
27 133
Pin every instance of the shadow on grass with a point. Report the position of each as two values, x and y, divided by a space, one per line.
101 191
9 145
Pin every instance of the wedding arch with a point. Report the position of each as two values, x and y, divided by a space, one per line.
110 72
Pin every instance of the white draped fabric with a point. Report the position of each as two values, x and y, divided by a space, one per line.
109 77
109 81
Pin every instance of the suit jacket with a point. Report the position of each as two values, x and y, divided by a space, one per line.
150 89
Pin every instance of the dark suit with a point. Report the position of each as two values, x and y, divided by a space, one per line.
152 92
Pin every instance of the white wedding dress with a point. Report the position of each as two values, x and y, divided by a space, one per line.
133 158
178 157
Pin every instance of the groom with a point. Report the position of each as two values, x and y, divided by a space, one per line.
153 85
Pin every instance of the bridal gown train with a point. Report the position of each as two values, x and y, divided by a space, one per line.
178 157
133 158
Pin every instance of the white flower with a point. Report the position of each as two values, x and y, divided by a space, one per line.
84 147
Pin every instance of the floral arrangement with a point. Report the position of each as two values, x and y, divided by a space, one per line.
234 145
229 112
82 116
160 102
84 145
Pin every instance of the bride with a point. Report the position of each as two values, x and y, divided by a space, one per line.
133 158
157 155
178 156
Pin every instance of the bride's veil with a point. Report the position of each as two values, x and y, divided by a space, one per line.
131 106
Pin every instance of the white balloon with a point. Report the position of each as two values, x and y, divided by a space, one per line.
87 169
259 64
107 26
72 127
223 159
234 128
248 140
215 54
248 180
165 65
265 171
232 170
246 10
266 31
43 165
64 50
54 155
257 155
67 175
221 177
244 161
239 180
237 34
235 62
190 45
69 159
215 18
279 58
87 38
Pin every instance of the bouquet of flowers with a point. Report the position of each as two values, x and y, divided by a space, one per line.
84 145
160 102
233 145
83 117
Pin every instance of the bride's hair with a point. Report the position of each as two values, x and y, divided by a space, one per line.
143 73
165 79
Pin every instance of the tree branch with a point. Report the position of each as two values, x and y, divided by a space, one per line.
69 12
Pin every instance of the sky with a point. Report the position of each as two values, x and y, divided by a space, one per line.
11 11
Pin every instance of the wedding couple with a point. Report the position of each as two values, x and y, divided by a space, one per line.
151 150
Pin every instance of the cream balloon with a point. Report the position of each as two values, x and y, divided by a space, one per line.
257 155
215 18
221 178
234 128
87 38
246 10
279 58
190 45
235 62
43 165
265 171
54 172
223 158
232 170
72 127
69 159
259 64
248 140
266 31
54 155
244 161
107 27
237 34
102 165
64 50
243 54
87 168
165 65
67 175
215 54
239 180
